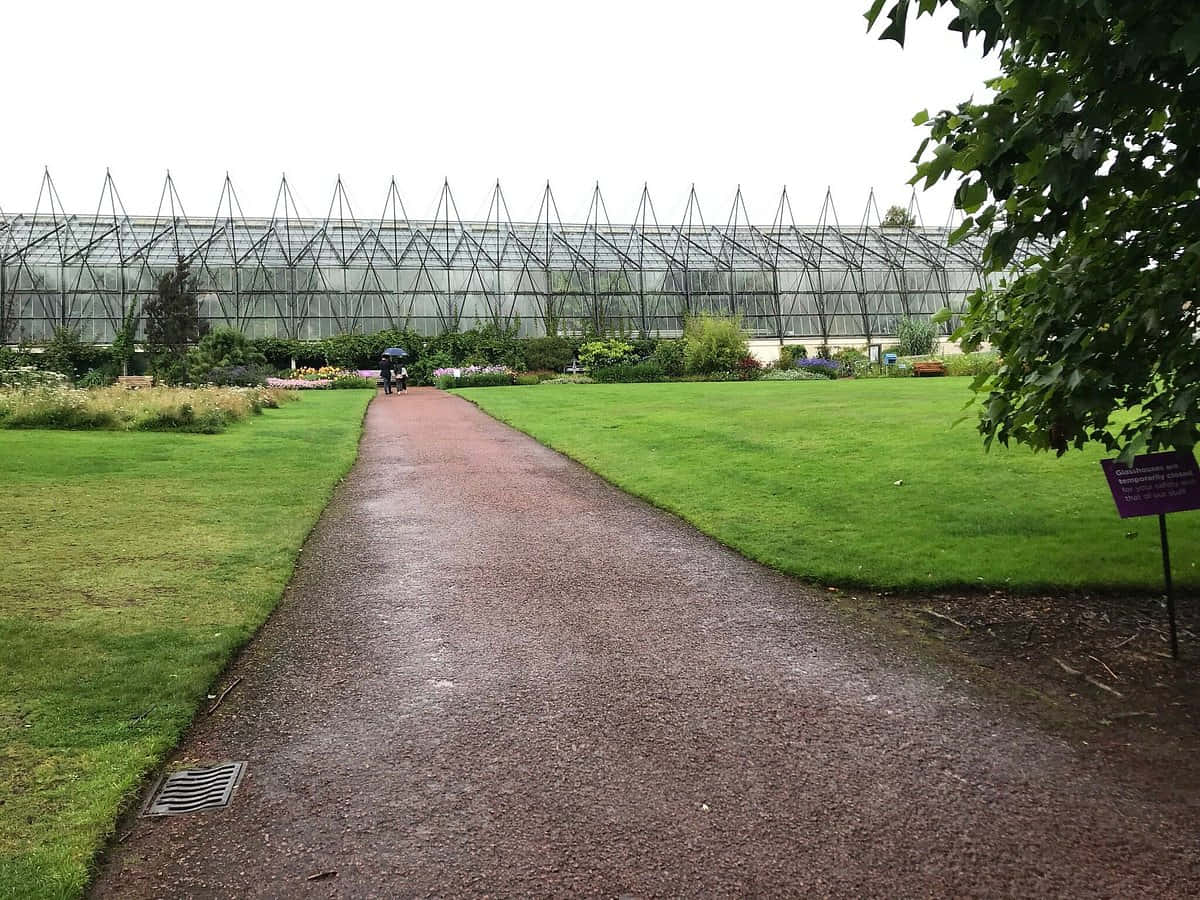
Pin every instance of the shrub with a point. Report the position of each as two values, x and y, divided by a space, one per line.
232 376
916 337
352 382
67 354
527 378
224 349
748 369
713 344
421 372
95 378
541 374
124 342
552 352
357 351
982 363
789 353
853 362
11 358
646 371
605 353
644 347
670 356
280 352
485 345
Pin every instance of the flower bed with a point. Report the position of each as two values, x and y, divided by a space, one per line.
300 384
827 368
206 410
28 376
309 379
792 375
472 376
324 373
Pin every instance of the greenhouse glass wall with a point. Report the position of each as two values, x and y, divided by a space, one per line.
308 278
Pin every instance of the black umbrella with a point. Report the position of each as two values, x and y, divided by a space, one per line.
395 352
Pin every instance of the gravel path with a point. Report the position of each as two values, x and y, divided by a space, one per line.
528 683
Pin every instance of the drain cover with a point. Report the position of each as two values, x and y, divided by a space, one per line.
195 789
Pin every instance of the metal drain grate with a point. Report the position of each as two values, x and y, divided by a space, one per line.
195 789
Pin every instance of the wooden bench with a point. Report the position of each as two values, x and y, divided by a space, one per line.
929 368
135 381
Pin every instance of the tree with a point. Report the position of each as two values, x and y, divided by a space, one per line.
897 217
1086 157
124 342
172 323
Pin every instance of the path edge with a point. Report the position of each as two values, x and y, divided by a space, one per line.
132 803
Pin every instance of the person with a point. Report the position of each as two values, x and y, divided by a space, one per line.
403 380
385 372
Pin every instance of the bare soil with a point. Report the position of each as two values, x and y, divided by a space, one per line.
1096 667
494 674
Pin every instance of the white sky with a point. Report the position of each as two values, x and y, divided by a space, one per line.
754 93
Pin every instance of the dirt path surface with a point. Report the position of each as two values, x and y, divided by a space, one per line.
496 674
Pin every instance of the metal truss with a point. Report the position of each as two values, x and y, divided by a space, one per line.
305 277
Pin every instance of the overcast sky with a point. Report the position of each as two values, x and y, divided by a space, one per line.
720 94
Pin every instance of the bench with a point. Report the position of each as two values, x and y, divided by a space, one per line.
135 381
929 368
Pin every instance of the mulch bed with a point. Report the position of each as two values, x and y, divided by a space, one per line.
1098 665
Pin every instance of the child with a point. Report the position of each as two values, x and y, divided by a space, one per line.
403 380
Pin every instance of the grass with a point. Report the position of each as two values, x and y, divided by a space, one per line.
135 565
801 476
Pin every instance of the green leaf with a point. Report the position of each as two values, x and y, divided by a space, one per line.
942 316
972 196
1185 40
920 152
898 23
962 230
873 13
921 118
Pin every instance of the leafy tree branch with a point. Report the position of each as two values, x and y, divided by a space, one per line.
1090 146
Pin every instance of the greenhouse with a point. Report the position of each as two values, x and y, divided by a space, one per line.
306 278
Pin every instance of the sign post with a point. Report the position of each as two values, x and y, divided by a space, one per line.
1156 484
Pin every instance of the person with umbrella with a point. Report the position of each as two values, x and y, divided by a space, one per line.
387 366
385 372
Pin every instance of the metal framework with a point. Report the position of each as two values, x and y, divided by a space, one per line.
306 278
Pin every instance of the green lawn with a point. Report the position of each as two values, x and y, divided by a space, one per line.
801 476
134 565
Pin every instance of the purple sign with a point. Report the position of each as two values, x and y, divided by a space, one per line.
1156 483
